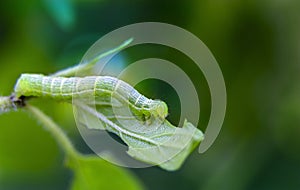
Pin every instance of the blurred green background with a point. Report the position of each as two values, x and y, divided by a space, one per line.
256 43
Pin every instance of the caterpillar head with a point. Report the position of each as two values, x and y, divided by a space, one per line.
160 109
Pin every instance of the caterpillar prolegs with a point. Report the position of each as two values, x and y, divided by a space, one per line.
103 87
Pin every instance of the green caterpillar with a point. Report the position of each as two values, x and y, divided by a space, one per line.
100 87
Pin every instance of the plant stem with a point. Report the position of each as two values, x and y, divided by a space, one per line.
55 130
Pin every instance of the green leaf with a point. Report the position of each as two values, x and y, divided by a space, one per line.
62 12
153 140
94 173
87 68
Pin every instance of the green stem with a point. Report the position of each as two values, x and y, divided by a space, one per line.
55 130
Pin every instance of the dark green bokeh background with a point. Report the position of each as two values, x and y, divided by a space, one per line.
256 43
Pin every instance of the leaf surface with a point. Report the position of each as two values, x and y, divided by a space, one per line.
93 173
153 140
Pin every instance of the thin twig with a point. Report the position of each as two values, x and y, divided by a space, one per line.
55 130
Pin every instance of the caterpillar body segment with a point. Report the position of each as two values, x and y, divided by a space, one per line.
102 88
